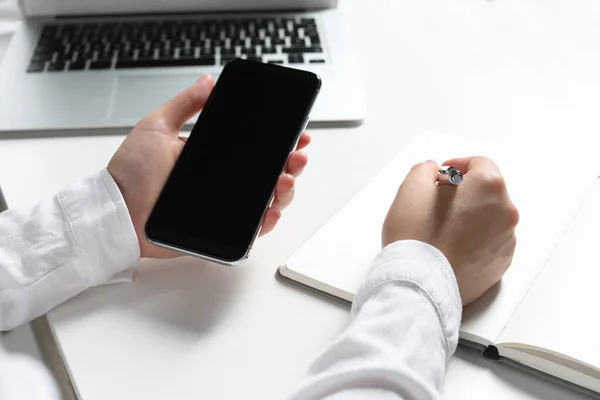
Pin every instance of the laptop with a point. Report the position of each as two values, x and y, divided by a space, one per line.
89 65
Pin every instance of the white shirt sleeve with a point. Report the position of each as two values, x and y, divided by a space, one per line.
406 320
81 237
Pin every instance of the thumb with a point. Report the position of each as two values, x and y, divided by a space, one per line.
177 111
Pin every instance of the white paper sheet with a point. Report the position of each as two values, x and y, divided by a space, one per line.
560 312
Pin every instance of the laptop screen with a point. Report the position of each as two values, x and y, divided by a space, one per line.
36 8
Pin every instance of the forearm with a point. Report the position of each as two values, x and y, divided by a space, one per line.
405 326
79 238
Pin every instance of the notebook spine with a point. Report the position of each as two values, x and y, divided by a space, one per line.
491 353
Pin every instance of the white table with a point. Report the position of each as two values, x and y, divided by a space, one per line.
507 69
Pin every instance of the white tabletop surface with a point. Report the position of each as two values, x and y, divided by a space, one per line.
514 70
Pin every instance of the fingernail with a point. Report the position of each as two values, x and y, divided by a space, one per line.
203 78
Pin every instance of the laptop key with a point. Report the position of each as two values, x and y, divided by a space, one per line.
227 59
77 65
204 61
36 66
300 42
106 55
319 61
314 40
295 58
276 62
47 45
101 64
56 66
263 24
307 22
41 57
254 58
146 53
229 51
165 53
49 31
96 45
249 52
257 42
188 52
302 50
207 51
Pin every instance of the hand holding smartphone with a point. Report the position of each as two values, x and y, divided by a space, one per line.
249 126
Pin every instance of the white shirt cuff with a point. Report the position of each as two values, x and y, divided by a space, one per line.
425 268
102 227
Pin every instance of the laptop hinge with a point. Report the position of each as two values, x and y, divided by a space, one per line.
95 8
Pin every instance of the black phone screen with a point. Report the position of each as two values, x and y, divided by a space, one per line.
213 202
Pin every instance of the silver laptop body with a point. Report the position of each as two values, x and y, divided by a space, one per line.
88 65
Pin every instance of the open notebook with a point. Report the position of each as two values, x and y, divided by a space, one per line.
543 314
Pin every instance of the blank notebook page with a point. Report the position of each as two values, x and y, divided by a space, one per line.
560 312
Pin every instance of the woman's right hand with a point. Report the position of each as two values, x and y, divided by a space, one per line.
472 224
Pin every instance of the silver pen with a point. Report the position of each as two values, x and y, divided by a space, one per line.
449 176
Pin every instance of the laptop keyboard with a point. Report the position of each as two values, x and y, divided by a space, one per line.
182 43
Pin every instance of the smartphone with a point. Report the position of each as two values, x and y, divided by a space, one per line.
213 203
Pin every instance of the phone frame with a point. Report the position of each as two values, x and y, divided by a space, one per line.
246 254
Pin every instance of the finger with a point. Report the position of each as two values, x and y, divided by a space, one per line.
183 139
177 111
476 163
419 185
423 174
284 192
296 164
481 171
304 141
272 216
